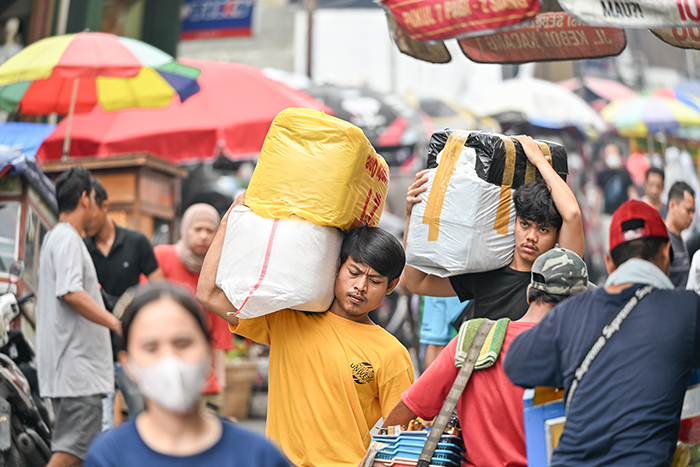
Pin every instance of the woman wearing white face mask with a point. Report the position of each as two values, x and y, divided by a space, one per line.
168 354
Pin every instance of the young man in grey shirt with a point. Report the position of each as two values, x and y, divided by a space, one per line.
74 353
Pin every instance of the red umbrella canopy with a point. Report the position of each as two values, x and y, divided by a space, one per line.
230 115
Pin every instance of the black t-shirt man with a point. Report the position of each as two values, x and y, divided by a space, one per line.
614 184
495 294
131 255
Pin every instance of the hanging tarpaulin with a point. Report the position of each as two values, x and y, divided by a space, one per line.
551 36
432 20
685 38
433 52
634 14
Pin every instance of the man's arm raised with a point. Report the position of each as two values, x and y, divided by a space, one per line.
571 232
208 294
417 281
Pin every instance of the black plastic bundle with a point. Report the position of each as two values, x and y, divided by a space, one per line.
491 156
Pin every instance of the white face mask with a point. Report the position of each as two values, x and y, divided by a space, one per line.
172 383
613 161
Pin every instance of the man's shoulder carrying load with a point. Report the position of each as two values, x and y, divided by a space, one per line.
316 174
467 219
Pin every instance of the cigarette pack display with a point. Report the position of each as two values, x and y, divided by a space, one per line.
269 265
320 168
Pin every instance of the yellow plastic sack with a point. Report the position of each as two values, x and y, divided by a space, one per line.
319 168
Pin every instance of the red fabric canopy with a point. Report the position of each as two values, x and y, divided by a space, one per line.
231 114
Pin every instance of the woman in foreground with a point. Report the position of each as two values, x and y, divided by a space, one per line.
168 354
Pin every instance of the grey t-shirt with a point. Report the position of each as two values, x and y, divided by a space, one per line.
74 355
680 263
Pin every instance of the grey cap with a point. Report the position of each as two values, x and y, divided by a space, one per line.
559 271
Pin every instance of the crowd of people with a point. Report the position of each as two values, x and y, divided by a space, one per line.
623 352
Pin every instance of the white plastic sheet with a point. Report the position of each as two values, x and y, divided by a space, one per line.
467 240
269 265
634 14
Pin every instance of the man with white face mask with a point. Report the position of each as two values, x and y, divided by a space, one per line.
614 187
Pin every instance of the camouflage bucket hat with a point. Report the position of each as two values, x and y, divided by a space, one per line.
560 272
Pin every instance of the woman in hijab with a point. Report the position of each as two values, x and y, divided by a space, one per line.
181 264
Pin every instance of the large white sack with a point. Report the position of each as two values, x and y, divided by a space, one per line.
467 241
268 265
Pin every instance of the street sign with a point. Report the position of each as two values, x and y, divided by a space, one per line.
634 14
204 19
551 36
685 38
431 20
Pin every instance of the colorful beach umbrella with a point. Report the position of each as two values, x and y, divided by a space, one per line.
681 96
76 72
640 115
230 116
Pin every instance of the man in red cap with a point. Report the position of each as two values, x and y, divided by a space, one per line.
623 352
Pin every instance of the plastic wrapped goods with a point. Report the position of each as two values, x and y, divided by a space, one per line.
320 168
491 156
464 224
269 265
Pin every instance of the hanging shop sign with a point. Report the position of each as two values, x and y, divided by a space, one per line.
634 14
551 36
433 52
685 38
431 20
204 19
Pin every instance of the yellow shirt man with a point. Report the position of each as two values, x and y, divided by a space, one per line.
330 380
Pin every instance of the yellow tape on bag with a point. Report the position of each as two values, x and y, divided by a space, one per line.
450 156
319 168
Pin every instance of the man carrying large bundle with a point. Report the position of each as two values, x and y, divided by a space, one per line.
547 215
332 374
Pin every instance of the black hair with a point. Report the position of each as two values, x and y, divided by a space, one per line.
646 248
376 248
534 203
100 192
677 191
156 291
657 171
70 186
541 297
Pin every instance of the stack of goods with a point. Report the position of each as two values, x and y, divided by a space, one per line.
688 449
316 176
466 224
402 447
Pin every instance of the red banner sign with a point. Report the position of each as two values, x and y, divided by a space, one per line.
685 38
445 19
551 36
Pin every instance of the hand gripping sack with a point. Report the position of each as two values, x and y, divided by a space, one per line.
268 265
466 224
491 156
319 168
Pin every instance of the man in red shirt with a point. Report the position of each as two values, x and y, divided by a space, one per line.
491 408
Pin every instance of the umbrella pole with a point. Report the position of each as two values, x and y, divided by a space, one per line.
66 140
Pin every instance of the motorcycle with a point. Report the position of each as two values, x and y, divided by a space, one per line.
25 436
